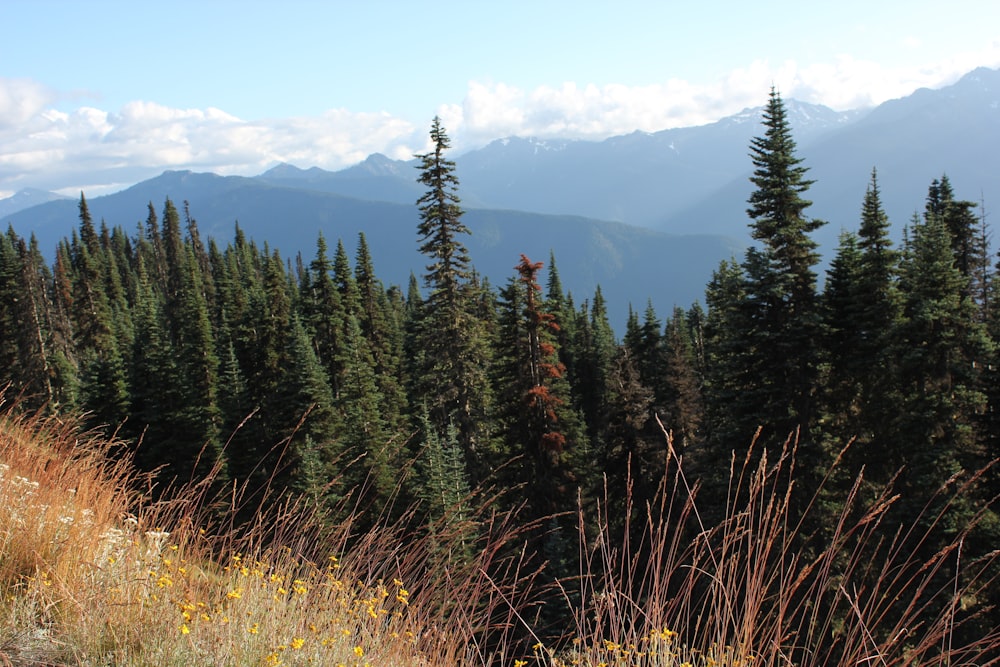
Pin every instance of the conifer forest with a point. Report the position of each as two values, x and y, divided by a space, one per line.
225 362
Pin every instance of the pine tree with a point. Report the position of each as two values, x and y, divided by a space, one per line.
365 434
594 350
540 428
962 224
11 315
45 344
726 364
324 316
633 450
680 395
453 378
540 423
286 382
444 485
154 384
941 349
780 319
176 352
103 377
862 312
382 335
65 360
646 348
842 337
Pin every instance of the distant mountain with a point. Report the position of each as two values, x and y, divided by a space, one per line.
26 198
377 178
631 264
639 178
696 179
910 141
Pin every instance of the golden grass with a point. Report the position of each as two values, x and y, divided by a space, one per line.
94 573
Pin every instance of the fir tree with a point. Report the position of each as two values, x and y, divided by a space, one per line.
381 333
726 374
103 381
540 428
941 349
594 350
680 395
962 224
324 316
862 311
453 378
779 323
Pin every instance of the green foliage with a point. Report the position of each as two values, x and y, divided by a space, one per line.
452 378
768 326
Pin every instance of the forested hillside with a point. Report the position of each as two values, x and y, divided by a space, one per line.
307 376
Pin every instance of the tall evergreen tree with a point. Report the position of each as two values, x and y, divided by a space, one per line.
862 311
681 393
595 350
11 315
103 377
380 330
726 371
962 224
324 315
453 380
539 425
941 349
775 335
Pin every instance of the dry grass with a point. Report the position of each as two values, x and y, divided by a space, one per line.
752 590
94 573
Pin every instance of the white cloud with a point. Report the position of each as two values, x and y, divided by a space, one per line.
55 150
571 110
21 100
94 148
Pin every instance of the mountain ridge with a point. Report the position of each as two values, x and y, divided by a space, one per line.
631 265
697 178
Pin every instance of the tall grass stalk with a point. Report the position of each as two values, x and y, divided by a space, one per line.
764 587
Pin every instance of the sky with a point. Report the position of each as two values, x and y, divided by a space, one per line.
98 95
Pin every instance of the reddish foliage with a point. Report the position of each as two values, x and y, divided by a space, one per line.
553 441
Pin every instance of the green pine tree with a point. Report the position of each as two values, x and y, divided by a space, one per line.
453 377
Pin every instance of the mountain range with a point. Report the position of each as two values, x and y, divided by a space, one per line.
644 215
631 264
696 179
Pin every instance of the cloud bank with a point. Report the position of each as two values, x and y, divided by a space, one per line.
98 150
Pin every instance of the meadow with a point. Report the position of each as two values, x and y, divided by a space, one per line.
95 571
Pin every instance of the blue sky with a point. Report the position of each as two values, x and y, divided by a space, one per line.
97 95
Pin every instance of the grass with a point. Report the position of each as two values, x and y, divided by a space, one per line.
93 572
755 589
